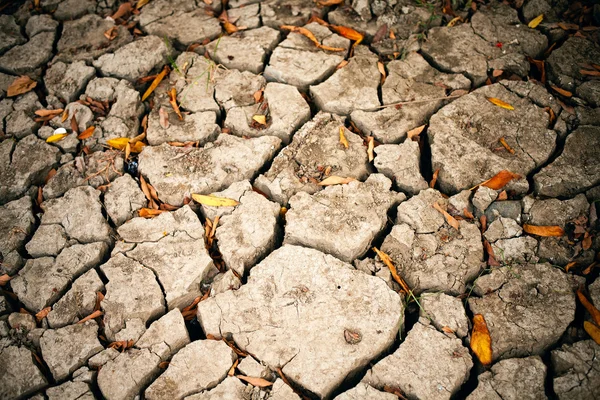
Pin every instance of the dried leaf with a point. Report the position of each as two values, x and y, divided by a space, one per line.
499 180
551 114
99 298
121 345
325 3
414 133
51 173
545 231
257 382
258 95
434 178
141 4
481 341
87 133
112 33
118 143
348 33
536 21
343 139
381 69
497 72
64 116
42 314
592 330
138 147
93 315
335 180
455 21
4 279
500 103
124 9
370 148
502 196
589 307
506 146
560 91
589 268
214 201
155 82
127 151
233 367
586 243
311 37
449 218
448 330
149 212
342 64
173 102
589 73
468 214
260 119
56 137
388 262
47 113
22 84
492 262
74 125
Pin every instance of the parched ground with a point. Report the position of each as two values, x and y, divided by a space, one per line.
289 199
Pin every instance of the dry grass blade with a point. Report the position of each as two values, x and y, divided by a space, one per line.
544 231
592 330
449 218
257 382
93 315
155 82
335 180
481 341
589 307
388 262
22 84
343 139
499 180
310 36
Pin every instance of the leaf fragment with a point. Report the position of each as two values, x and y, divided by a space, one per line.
57 137
561 91
589 73
499 180
481 341
22 84
257 382
592 330
381 69
173 102
536 21
449 218
149 212
348 33
311 37
370 148
46 113
155 82
388 262
214 201
4 279
260 119
343 139
324 3
434 178
500 103
42 314
87 133
545 231
335 180
506 146
589 307
93 315
118 143
414 133
141 3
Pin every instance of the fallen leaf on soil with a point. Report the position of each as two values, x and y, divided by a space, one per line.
449 218
257 382
348 33
342 64
118 143
343 139
213 201
42 314
99 298
112 33
74 125
51 173
492 262
260 119
568 27
127 151
415 132
506 146
4 279
570 265
483 223
497 72
164 364
536 21
370 148
499 180
502 196
589 268
586 243
93 315
381 69
545 231
434 178
137 147
563 92
589 307
454 21
87 133
233 367
258 95
388 262
468 214
589 73
500 103
22 84
123 10
141 4
146 190
149 212
447 329
481 341
121 345
551 114
46 113
56 137
592 330
311 37
335 180
155 82
227 25
324 3
173 102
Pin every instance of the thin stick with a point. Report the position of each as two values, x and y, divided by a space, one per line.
401 103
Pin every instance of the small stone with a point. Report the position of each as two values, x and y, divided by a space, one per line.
103 357
17 222
19 375
20 124
23 322
445 312
192 96
527 308
10 33
199 366
166 336
364 391
515 250
401 163
29 57
223 282
594 290
484 196
84 374
68 81
428 365
576 370
48 240
40 23
123 199
502 228
66 349
70 391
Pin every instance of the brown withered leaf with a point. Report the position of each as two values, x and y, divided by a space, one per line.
589 307
434 178
112 33
311 37
155 82
592 330
570 265
497 72
124 9
149 212
324 3
561 91
414 133
481 341
589 268
483 222
492 262
20 85
381 69
233 367
335 180
74 125
551 114
93 315
257 382
502 196
388 262
553 230
586 243
449 218
589 73
51 173
99 298
342 64
468 214
164 365
173 102
258 95
121 345
87 133
343 139
4 279
42 314
227 25
499 180
49 113
380 34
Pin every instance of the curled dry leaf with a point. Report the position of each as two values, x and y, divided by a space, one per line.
124 9
112 33
141 3
506 146
481 341
592 330
4 279
492 262
87 133
348 33
155 82
545 231
499 180
589 307
118 143
47 113
214 201
121 345
414 133
257 382
22 84
560 91
335 180
258 95
370 148
455 21
56 137
434 178
74 125
388 262
343 139
311 37
93 315
589 73
468 214
449 218
551 114
173 102
149 212
325 3
227 25
233 367
536 21
500 103
381 69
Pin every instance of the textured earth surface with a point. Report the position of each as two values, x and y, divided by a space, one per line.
297 199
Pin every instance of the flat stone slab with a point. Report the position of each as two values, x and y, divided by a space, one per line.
178 172
235 88
573 171
565 63
70 391
297 61
17 223
342 220
230 388
445 312
29 57
401 163
172 246
67 81
244 50
523 322
312 307
576 370
352 87
24 163
166 336
19 375
10 33
275 13
195 127
364 391
285 110
427 252
123 199
314 150
195 91
512 378
428 365
464 138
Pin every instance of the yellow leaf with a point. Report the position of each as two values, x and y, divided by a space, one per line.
455 21
449 218
388 262
592 330
343 139
22 84
118 143
149 212
481 341
258 382
137 147
141 3
56 138
214 201
335 180
544 230
500 103
259 118
155 82
536 21
348 33
589 307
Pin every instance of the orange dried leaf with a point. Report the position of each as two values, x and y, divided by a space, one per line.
468 214
388 262
233 367
449 218
141 4
414 133
499 180
545 231
173 102
137 147
311 37
550 112
149 212
348 33
42 314
325 3
500 103
93 315
481 341
46 113
589 307
258 95
563 92
260 119
506 146
589 73
343 139
447 329
434 178
570 265
342 64
381 69
586 243
592 330
4 279
335 180
124 9
22 84
257 382
87 133
112 33
155 82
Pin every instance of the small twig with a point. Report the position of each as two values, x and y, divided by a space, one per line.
401 103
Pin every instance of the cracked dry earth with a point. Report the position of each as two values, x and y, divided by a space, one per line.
117 285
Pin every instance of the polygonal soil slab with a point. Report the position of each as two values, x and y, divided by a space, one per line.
342 220
527 308
29 57
401 163
464 138
565 63
19 375
275 13
17 222
320 319
67 81
364 391
428 253
576 370
428 365
195 83
178 172
314 154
